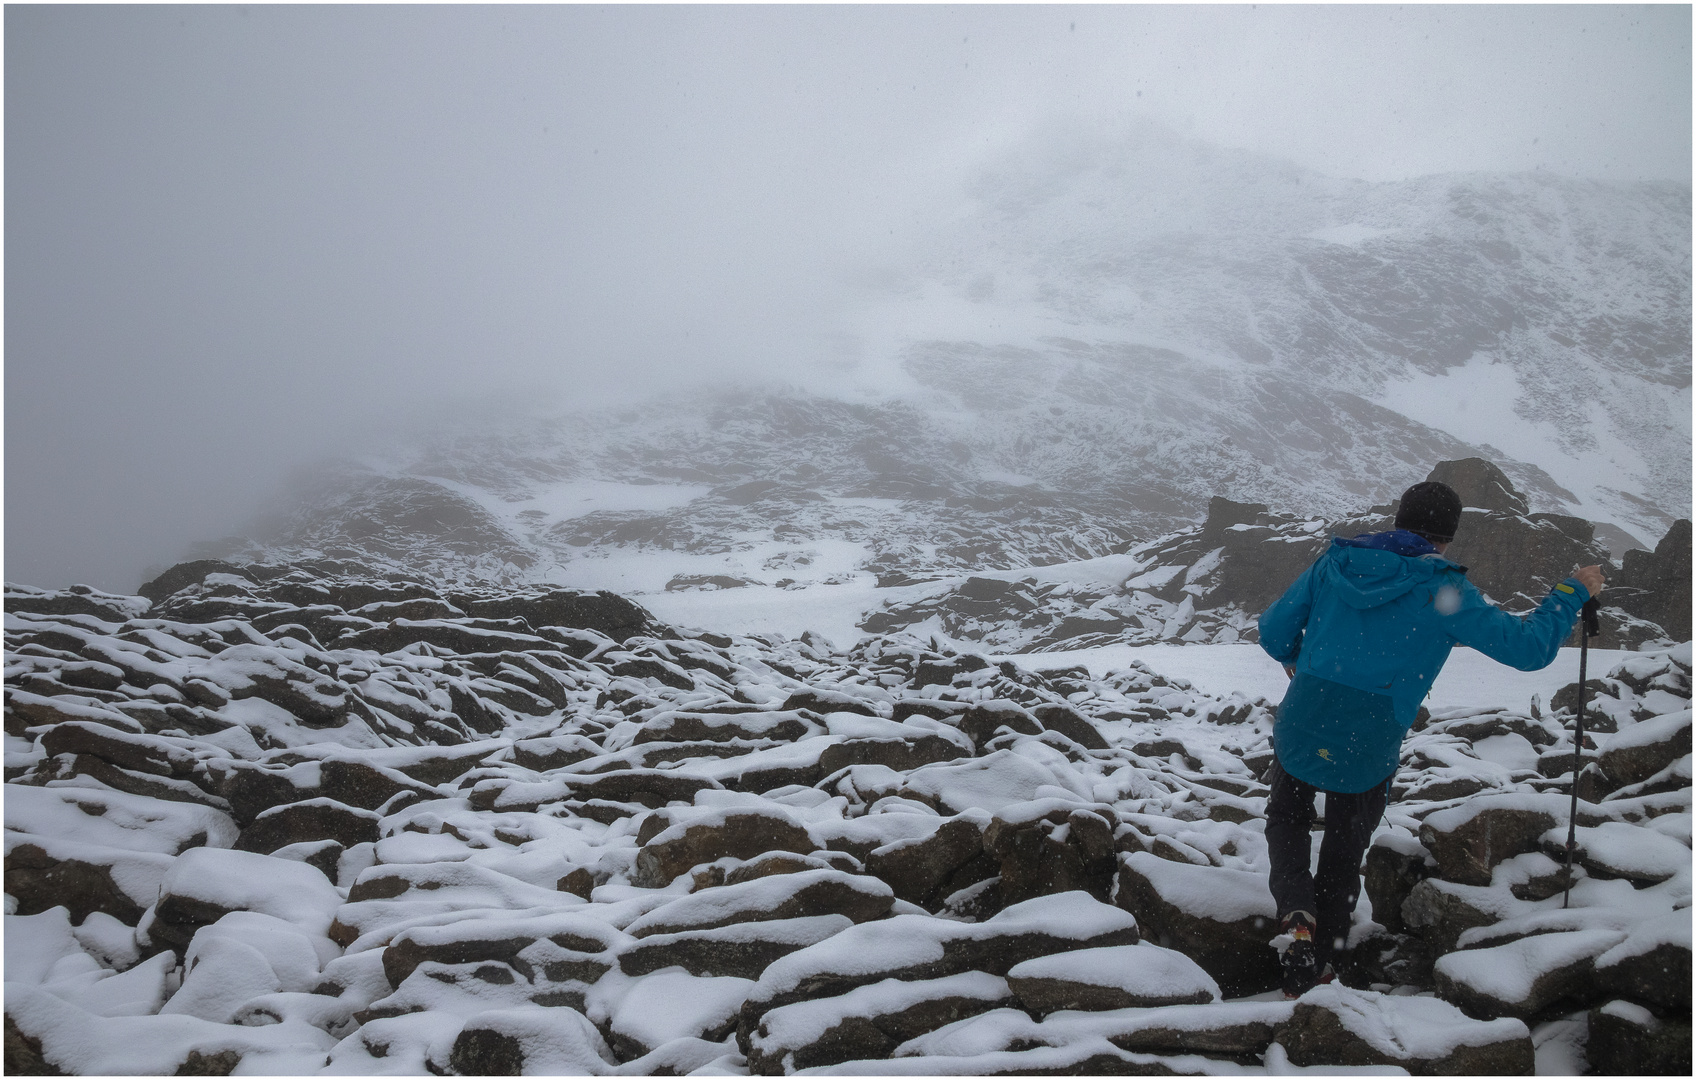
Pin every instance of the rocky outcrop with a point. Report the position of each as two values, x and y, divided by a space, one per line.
1480 484
1655 586
1211 583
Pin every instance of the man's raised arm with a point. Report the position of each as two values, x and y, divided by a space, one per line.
1528 643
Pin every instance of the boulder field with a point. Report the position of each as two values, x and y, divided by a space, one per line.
300 819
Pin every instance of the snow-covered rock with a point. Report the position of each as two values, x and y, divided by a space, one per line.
1221 916
1121 977
1333 1025
1625 1039
625 852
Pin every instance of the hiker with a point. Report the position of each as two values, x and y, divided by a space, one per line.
1362 635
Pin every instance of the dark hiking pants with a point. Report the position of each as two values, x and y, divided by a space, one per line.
1331 893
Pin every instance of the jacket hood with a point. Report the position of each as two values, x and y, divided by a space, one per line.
1368 577
1400 541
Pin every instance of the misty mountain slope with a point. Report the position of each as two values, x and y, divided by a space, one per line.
1258 259
1111 329
400 522
1076 460
1582 289
1114 414
1065 460
764 475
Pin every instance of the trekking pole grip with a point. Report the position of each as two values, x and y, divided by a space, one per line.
1591 612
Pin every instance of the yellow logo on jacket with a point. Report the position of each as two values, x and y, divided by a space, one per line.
1326 754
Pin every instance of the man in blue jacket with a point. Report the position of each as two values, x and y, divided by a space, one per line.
1362 635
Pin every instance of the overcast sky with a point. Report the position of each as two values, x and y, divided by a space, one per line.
237 237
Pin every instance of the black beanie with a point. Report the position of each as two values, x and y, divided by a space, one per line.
1430 509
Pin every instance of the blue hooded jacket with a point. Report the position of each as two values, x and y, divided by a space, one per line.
1367 627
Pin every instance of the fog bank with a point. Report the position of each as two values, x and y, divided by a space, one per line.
242 239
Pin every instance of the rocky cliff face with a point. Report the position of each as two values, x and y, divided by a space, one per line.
312 819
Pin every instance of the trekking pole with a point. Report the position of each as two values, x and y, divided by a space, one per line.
1592 627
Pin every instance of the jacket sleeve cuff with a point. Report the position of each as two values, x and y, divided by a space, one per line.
1573 588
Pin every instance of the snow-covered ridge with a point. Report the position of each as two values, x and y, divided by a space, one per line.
302 820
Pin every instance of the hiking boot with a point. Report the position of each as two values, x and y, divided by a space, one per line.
1301 958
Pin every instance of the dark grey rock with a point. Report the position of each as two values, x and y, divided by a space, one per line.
985 720
919 869
1626 1039
23 1053
222 1063
1440 911
1070 723
1232 1028
39 881
741 950
153 754
404 954
784 862
1141 976
1479 483
736 835
1561 968
899 754
1050 924
1466 850
703 727
871 1026
602 612
800 895
555 752
1659 976
1317 1035
1656 586
324 854
1390 875
1238 954
1391 959
455 636
481 1052
182 575
822 700
1633 762
313 819
1035 861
